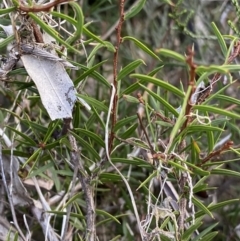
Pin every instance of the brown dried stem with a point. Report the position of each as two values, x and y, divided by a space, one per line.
182 145
41 8
191 82
146 135
216 77
225 147
37 33
85 180
115 71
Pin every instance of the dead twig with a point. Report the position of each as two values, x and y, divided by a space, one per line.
9 195
191 83
146 135
217 76
42 8
115 71
85 181
225 147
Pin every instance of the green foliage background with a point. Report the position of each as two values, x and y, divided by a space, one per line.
153 151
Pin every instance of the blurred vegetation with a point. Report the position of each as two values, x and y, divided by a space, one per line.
168 168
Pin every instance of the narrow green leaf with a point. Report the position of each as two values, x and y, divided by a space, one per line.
201 128
94 119
225 172
104 213
130 99
198 170
204 232
106 44
228 99
216 110
149 121
32 157
93 102
6 41
91 35
154 72
93 74
64 16
129 131
141 161
130 89
220 39
63 142
161 100
220 162
118 237
124 122
150 177
211 141
79 25
213 207
158 82
71 200
40 170
203 76
231 67
142 46
110 177
75 23
230 48
35 127
16 237
201 206
134 161
52 126
179 166
51 32
100 119
75 215
202 187
135 9
129 68
16 153
88 72
91 135
25 137
210 236
65 173
7 10
180 120
171 54
102 222
212 69
86 145
188 233
200 182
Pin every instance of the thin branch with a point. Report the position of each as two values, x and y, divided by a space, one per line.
115 71
225 147
217 76
43 8
184 176
123 178
74 180
37 33
85 180
9 196
146 135
191 83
